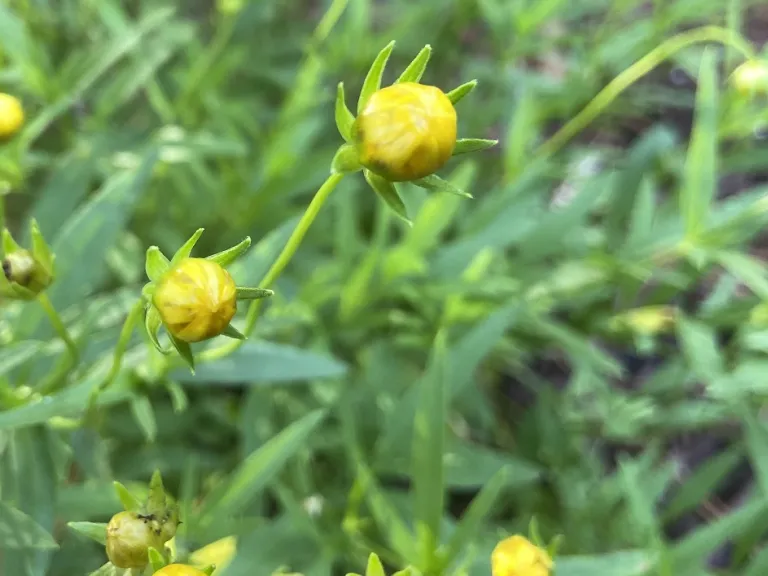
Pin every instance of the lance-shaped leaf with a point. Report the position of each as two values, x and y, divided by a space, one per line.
387 191
9 244
184 350
40 249
155 264
186 248
458 93
345 160
374 567
96 531
415 70
227 257
128 500
344 117
244 293
467 145
232 332
152 323
373 78
434 183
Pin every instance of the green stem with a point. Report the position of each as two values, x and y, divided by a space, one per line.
59 326
636 71
279 265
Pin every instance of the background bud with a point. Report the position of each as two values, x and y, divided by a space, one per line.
751 78
11 115
406 131
517 556
129 538
196 300
179 570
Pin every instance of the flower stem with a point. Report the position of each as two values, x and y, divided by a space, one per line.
59 326
636 71
279 265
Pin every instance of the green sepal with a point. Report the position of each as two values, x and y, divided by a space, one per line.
415 70
467 145
434 183
40 249
345 160
374 567
209 569
344 117
9 244
227 257
129 502
152 323
185 351
147 292
156 264
15 291
244 293
96 531
554 546
186 248
387 192
156 559
461 91
372 81
232 332
107 569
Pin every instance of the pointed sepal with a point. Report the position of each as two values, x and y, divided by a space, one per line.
344 117
9 244
415 70
184 350
129 502
227 257
434 183
40 249
372 81
387 192
186 248
244 293
460 92
467 145
232 332
208 570
345 160
152 323
156 559
96 531
374 567
156 264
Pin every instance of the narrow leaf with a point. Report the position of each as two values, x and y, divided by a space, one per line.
19 531
253 293
185 351
144 417
96 531
344 118
227 257
372 81
460 92
467 145
387 192
434 183
232 332
415 70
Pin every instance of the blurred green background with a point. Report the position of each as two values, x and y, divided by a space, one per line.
593 319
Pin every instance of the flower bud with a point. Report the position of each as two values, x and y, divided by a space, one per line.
179 570
196 300
129 537
11 115
751 78
517 556
405 131
21 268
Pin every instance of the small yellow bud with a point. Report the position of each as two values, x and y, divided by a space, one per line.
179 570
751 78
129 538
196 300
218 553
406 131
11 115
21 268
517 556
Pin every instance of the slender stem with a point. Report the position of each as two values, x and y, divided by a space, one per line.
279 265
59 326
639 69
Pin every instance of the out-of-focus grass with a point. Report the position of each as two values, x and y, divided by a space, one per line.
600 310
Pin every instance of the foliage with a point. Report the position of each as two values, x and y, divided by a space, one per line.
545 351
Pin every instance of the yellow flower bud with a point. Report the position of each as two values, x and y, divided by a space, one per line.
406 131
179 570
196 300
750 78
21 268
219 553
517 556
11 115
129 538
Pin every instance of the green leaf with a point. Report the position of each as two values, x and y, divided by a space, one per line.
156 559
257 362
747 269
473 518
756 437
18 531
387 192
700 348
254 265
415 70
96 531
344 118
244 293
128 500
700 180
108 569
156 264
623 563
185 351
227 257
460 92
141 408
374 567
346 160
372 81
428 451
468 145
187 247
18 353
152 323
434 183
258 469
232 332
